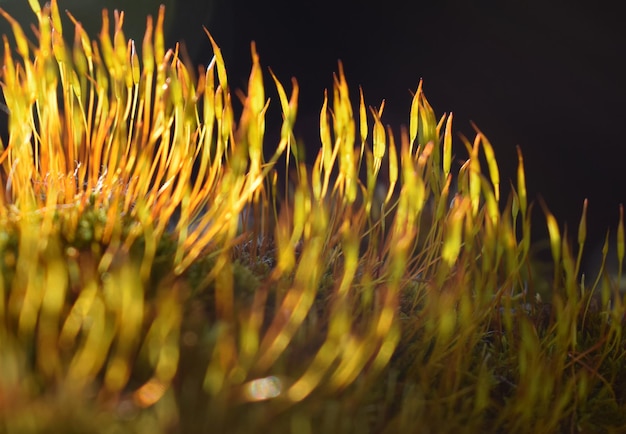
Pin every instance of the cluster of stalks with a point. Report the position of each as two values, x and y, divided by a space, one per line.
155 276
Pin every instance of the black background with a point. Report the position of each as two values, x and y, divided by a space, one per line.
545 75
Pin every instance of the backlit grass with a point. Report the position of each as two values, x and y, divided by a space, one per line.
160 273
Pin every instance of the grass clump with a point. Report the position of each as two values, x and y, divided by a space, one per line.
157 275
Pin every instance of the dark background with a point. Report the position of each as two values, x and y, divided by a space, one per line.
545 75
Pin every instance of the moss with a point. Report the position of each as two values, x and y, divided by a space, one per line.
154 275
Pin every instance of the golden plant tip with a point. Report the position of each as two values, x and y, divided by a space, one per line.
454 225
447 146
521 183
363 128
582 226
553 233
492 164
414 116
36 7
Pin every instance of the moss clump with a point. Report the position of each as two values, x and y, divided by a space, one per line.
153 280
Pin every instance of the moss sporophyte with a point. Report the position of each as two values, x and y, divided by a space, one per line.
160 273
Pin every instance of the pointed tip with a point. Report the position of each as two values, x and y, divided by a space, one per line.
253 51
206 31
